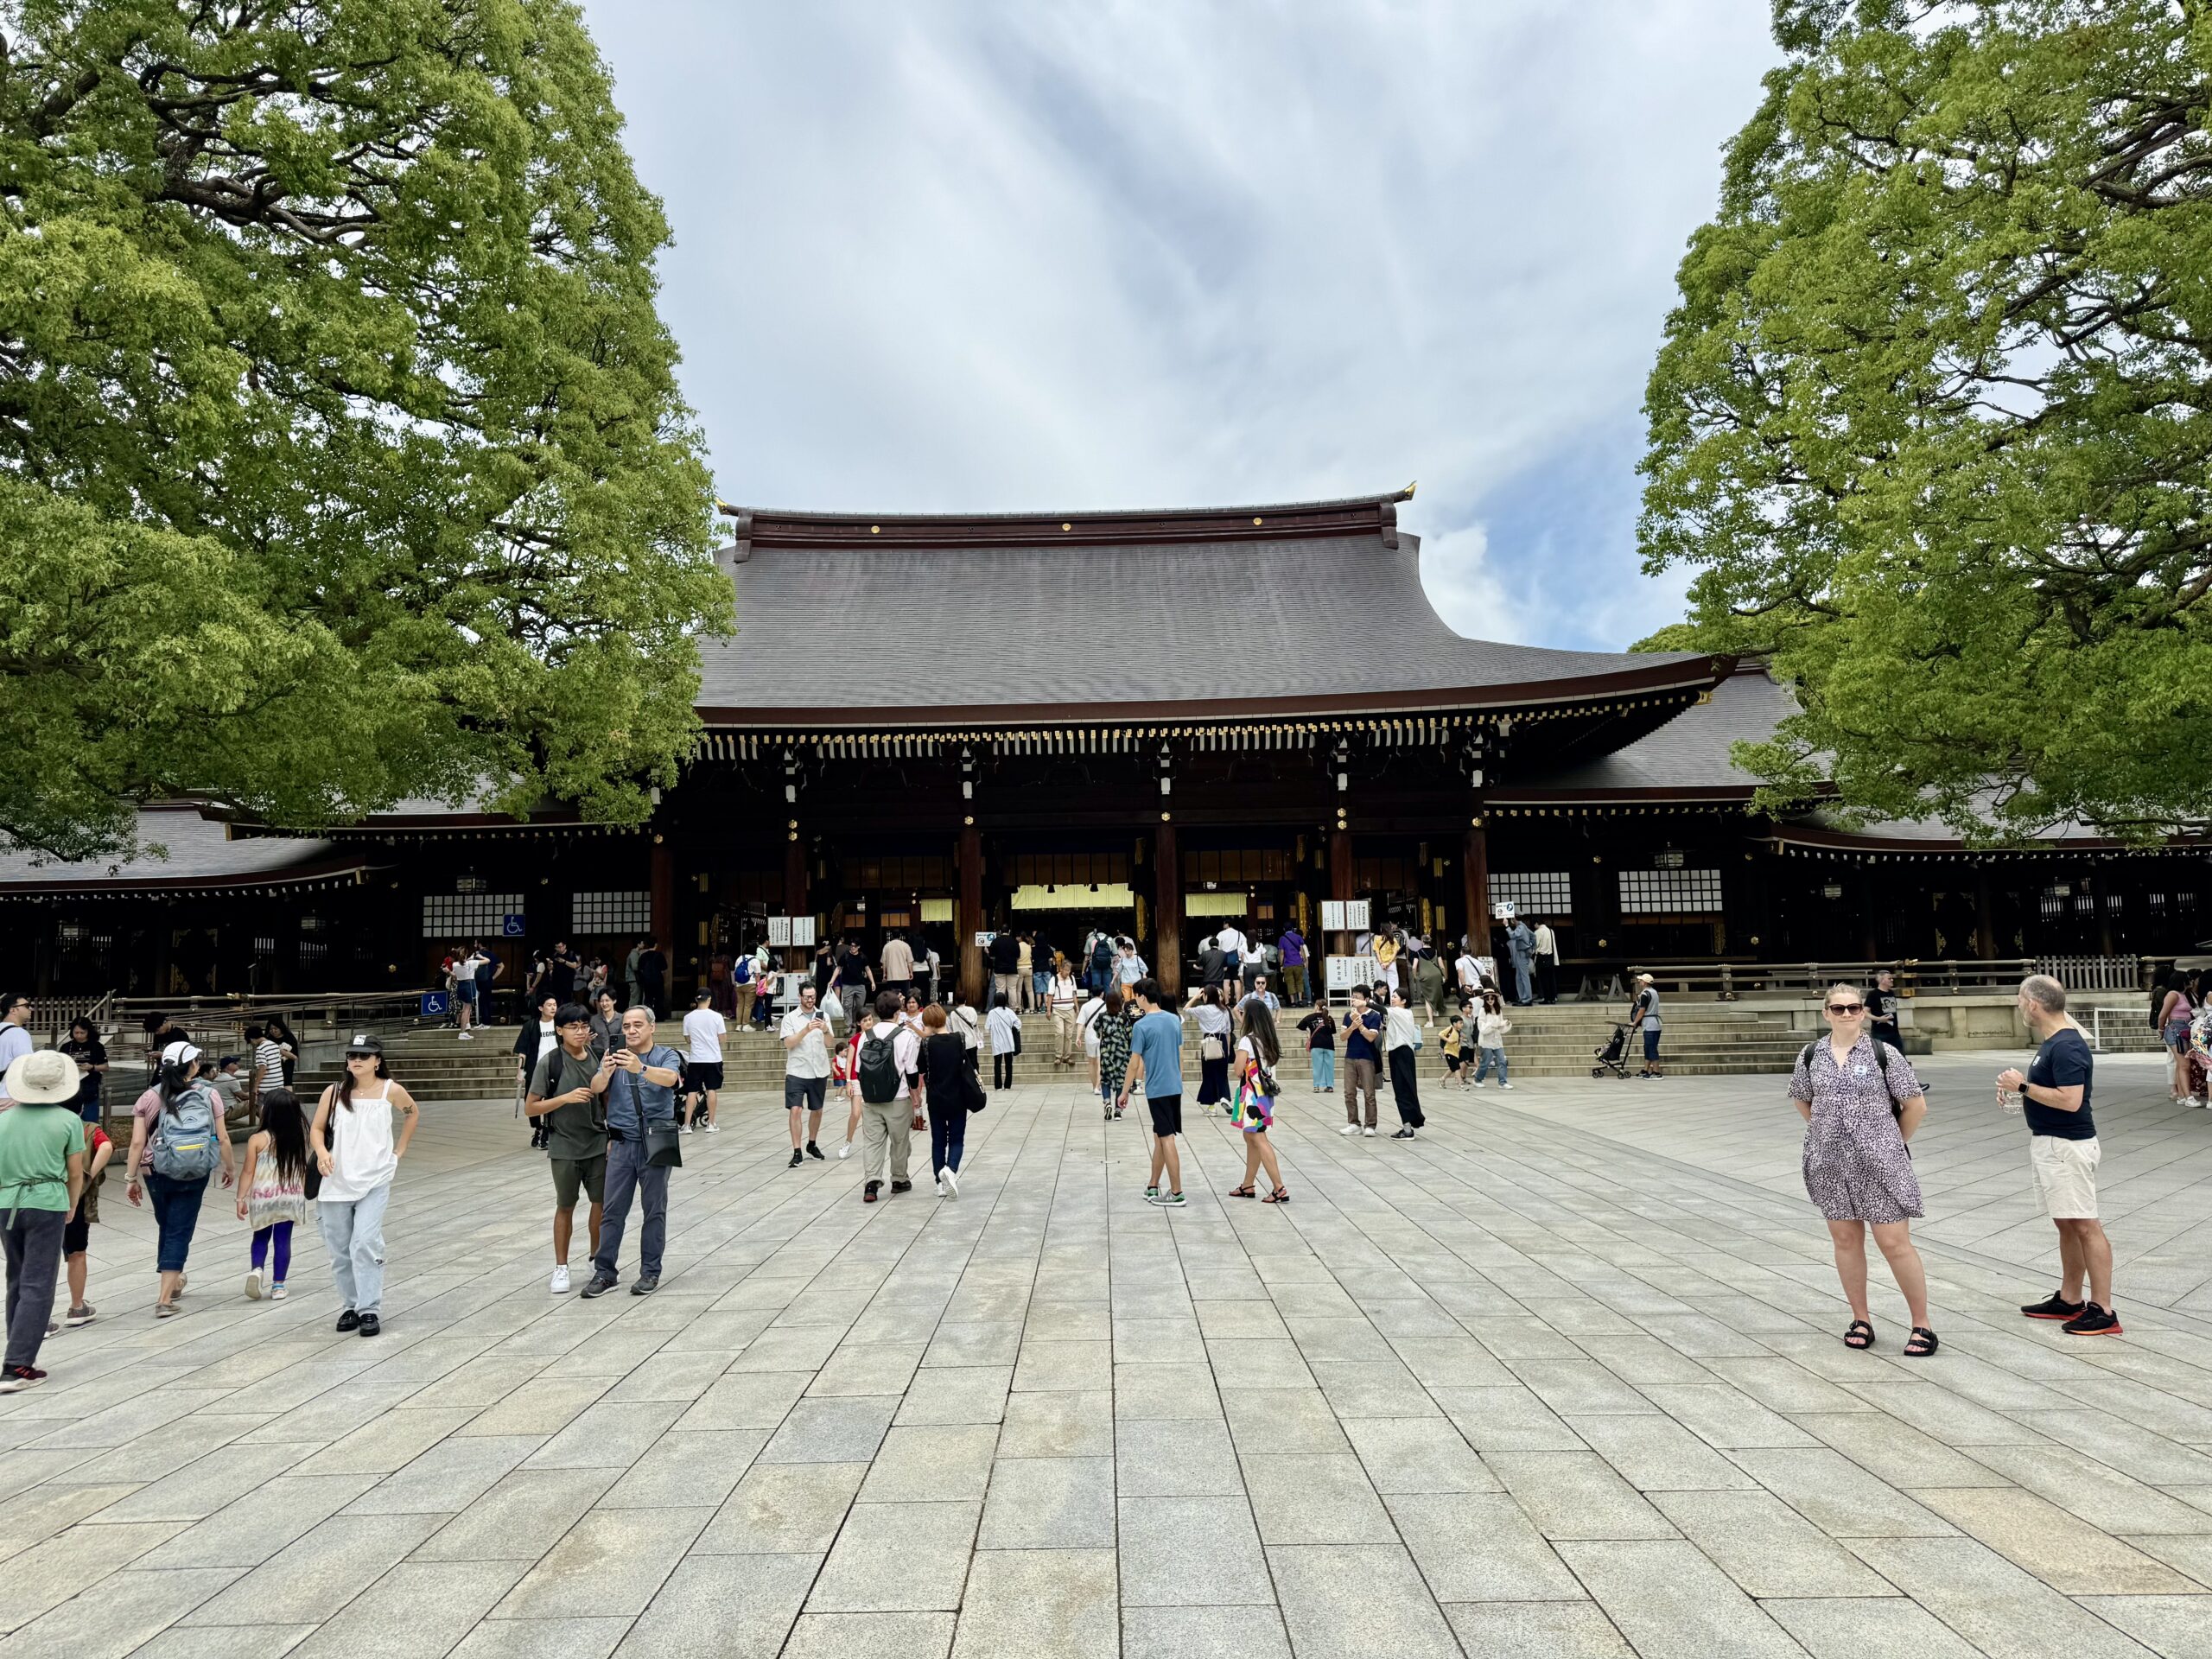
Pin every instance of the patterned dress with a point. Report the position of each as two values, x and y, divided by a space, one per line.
1856 1165
1114 1049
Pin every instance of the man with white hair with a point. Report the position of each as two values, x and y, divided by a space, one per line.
2062 1154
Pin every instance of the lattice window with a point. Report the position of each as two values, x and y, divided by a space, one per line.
612 912
465 915
1534 893
1670 893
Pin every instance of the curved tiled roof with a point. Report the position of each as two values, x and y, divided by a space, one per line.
1690 751
1259 611
201 854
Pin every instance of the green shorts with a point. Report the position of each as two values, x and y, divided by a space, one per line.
571 1174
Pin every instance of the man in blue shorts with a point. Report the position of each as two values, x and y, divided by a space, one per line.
1156 1061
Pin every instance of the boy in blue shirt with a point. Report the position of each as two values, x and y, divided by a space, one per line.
1156 1060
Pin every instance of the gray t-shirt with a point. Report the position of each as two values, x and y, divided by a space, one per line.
1648 999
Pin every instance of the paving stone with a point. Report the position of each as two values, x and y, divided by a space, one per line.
1049 1503
2063 1550
967 1393
940 1463
1656 1454
687 1470
1766 1546
723 1607
1165 1391
1505 1420
897 1558
832 1430
1672 1602
543 1638
783 1509
1177 1459
2174 1627
520 1518
868 1368
1841 1627
228 1642
2100 1495
1051 1601
1480 1547
324 1569
1897 1453
1839 1496
1197 1552
119 1614
1359 1603
1204 1632
2002 1610
1557 1629
1047 1366
1417 1454
1057 1425
749 1400
448 1476
1576 1495
1310 1498
419 1610
870 1635
1282 1419
610 1564
250 1529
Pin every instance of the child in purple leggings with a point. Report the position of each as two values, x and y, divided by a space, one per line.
273 1192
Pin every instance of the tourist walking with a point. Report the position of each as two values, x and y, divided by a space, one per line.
1117 1015
177 1142
273 1192
264 1068
1362 1030
1644 1016
1321 1029
358 1156
652 979
1005 1038
704 1030
1212 1020
1086 1025
1547 950
807 1038
1491 1024
2054 1094
952 1093
1156 1066
1452 1039
568 1096
1401 1052
1259 1053
1102 961
2172 1019
466 961
1006 967
89 1057
1065 997
41 1177
606 1023
1428 987
630 972
1861 1103
1128 969
77 1232
640 1095
538 1033
897 964
1291 947
889 1054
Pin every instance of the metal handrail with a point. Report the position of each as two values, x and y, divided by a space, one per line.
1915 975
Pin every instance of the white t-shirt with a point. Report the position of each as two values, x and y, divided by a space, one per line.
703 1036
1086 1021
1468 973
971 1029
811 1059
1066 994
1231 942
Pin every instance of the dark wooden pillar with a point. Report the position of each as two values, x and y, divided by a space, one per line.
968 913
795 896
1985 916
1343 887
1167 910
1474 875
663 887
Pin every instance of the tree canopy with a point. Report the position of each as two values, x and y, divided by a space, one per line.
1933 419
341 454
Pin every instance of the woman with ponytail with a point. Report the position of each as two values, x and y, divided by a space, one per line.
177 1141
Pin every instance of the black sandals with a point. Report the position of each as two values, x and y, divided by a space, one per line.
1921 1344
1858 1335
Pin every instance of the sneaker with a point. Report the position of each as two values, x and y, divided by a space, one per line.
1172 1201
902 1187
600 1285
1403 1135
276 1292
647 1283
1476 1083
951 1183
468 1036
798 1158
2054 1307
1505 1086
813 1151
685 1129
2094 1321
170 1310
1369 1133
714 1128
370 1325
1152 1195
559 1284
1348 1128
349 1320
87 1313
867 1192
845 1151
17 1378
253 1286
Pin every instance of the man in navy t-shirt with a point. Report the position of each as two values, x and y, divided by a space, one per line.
2063 1153
1156 1062
1363 1047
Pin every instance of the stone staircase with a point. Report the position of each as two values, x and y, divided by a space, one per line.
1704 1039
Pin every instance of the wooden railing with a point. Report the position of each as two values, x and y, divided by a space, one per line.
1728 980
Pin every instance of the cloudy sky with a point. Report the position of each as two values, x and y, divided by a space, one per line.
995 255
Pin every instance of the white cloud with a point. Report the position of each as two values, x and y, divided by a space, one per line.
961 256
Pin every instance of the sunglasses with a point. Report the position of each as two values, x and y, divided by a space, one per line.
1847 1007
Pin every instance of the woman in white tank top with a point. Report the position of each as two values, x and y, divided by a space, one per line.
357 1155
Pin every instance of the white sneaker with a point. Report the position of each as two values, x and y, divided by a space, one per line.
468 1036
253 1286
948 1183
1478 1083
685 1129
560 1285
714 1128
1369 1133
1505 1086
1348 1128
845 1151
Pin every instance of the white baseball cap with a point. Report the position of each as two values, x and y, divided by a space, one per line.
180 1053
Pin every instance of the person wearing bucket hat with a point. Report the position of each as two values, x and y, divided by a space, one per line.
41 1176
353 1144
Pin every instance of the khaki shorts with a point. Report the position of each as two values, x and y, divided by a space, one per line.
2066 1176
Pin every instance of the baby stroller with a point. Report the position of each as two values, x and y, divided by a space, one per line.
1613 1056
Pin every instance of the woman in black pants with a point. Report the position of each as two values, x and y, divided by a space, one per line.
1402 1049
944 1067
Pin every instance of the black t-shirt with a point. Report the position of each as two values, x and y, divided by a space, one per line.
1213 965
2062 1061
1882 1007
87 1055
1321 1028
652 967
1006 954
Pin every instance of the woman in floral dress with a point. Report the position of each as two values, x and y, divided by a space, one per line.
1861 1103
1114 1049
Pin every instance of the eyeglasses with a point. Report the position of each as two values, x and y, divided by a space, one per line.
1847 1007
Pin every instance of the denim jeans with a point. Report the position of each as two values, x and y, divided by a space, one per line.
1491 1056
1325 1068
176 1212
31 1240
947 1135
352 1231
628 1175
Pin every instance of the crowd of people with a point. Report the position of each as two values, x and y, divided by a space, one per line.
608 1102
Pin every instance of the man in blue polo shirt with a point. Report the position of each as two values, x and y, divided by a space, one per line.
1156 1062
2062 1154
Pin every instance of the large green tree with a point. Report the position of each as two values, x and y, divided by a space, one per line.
341 454
1933 420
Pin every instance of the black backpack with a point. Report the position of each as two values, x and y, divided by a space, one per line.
1881 1059
881 1082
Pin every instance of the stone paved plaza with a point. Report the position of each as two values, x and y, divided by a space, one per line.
1562 1379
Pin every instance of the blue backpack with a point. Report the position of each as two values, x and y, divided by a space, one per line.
184 1136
